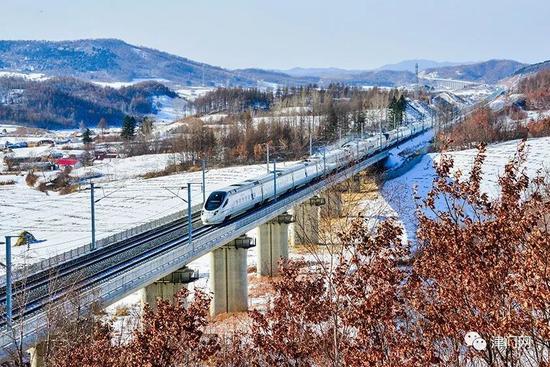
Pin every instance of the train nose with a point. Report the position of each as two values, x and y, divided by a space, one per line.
206 217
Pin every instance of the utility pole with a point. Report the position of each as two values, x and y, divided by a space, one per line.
203 164
92 207
9 310
324 161
267 157
417 89
310 143
380 132
275 179
189 221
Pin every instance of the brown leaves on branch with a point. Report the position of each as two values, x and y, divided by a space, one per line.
173 335
482 264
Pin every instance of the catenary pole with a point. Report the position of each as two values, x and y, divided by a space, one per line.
189 221
9 310
92 208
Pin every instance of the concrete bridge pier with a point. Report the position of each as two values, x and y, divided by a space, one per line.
166 288
38 355
305 229
272 244
228 277
333 204
355 183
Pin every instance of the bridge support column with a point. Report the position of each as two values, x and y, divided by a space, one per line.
333 206
38 355
272 244
228 277
355 183
306 225
167 287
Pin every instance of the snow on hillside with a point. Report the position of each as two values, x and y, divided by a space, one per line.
28 76
169 109
398 193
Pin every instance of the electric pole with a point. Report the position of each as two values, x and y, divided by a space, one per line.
189 221
203 166
267 157
92 207
9 310
275 179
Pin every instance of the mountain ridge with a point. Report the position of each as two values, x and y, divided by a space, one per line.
114 60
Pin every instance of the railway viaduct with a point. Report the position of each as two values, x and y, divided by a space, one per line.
153 259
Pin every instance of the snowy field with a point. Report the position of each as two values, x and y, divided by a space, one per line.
63 222
397 194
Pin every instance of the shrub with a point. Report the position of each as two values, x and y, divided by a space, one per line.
31 179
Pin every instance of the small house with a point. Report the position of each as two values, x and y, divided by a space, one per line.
68 162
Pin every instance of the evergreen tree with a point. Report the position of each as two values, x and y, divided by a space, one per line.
401 107
86 136
128 128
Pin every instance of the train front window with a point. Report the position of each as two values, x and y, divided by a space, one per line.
215 200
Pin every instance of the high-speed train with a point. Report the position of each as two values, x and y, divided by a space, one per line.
241 197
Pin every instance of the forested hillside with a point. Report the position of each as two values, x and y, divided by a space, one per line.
66 102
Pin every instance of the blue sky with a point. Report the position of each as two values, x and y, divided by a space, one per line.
284 33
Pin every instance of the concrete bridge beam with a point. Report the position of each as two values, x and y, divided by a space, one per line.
228 277
272 244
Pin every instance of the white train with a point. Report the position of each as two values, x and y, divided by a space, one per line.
239 198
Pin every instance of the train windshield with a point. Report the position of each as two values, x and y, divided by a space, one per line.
215 200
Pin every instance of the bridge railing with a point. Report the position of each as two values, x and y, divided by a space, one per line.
51 262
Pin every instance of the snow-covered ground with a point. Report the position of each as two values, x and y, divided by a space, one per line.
398 193
169 109
28 76
62 222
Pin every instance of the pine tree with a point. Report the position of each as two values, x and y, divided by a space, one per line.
401 107
86 136
128 128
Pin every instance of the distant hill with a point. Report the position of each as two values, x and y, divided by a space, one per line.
383 78
65 102
324 76
326 73
423 64
533 68
110 60
482 72
277 77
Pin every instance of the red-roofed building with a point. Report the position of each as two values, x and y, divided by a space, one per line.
68 162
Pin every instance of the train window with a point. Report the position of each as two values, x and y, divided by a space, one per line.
224 204
215 200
